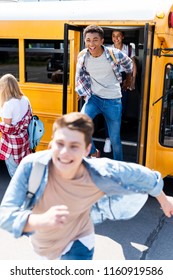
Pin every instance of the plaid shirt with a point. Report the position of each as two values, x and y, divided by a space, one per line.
83 81
14 139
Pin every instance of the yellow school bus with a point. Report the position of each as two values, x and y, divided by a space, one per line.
39 44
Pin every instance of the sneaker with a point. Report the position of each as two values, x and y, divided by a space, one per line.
96 154
107 146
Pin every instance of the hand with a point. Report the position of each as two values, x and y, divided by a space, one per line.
55 217
79 97
167 206
132 86
166 203
127 82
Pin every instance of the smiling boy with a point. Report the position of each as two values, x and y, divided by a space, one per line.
98 79
58 218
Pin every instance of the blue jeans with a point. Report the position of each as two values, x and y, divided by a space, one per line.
11 165
78 251
111 109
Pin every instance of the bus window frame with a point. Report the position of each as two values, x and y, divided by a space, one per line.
10 50
50 51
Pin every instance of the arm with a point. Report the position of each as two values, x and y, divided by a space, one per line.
7 113
127 63
166 203
127 82
125 178
7 121
130 80
12 217
132 87
82 79
79 78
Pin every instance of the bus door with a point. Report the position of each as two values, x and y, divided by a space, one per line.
70 101
145 90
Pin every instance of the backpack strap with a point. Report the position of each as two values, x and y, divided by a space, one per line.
129 50
82 52
35 178
112 55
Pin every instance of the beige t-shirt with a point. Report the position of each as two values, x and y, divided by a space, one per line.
78 195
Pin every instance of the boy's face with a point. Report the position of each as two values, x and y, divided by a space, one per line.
68 148
93 42
117 37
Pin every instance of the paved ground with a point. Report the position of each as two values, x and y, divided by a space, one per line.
21 249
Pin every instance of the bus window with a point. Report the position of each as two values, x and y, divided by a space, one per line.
166 135
44 61
9 57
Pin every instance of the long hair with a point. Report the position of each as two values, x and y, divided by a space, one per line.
9 88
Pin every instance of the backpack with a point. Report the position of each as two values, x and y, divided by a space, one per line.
35 132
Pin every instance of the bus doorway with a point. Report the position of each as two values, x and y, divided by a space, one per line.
134 126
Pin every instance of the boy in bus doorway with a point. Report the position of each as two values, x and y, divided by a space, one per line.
98 79
58 218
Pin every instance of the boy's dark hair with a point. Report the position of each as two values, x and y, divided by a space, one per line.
118 30
76 121
93 29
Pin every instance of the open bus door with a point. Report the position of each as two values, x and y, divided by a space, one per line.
145 91
66 65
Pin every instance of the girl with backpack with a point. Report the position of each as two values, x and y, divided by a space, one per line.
15 112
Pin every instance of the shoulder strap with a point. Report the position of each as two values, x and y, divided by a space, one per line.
112 55
82 52
129 50
35 178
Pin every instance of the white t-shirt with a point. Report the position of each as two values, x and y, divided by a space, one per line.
103 80
125 49
15 109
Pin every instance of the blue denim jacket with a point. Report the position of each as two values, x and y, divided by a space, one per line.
126 187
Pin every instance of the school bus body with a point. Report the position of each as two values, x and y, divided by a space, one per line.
28 25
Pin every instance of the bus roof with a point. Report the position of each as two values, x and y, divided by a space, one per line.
145 10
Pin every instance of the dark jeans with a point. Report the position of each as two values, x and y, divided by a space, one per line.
78 251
